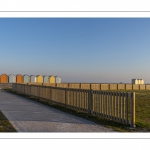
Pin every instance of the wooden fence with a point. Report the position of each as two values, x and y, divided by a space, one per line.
117 106
98 86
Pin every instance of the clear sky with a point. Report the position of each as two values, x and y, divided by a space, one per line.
101 50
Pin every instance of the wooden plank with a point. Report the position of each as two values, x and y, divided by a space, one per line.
133 110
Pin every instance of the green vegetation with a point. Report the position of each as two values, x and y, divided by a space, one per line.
142 108
142 104
5 125
142 113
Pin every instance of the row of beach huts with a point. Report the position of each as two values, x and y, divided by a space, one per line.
4 78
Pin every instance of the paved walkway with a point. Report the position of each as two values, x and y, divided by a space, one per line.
29 116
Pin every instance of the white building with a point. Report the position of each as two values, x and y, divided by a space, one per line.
12 78
33 79
57 79
141 81
137 81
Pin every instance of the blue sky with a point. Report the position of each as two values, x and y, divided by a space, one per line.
100 50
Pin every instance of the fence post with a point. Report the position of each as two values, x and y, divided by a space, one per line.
79 85
12 87
66 98
90 86
24 89
90 101
38 87
30 89
133 110
127 108
99 86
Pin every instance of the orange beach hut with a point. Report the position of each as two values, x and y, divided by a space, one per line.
19 78
4 78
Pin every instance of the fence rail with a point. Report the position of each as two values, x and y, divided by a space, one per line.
117 106
99 86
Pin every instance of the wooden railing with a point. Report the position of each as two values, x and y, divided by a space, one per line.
117 106
98 86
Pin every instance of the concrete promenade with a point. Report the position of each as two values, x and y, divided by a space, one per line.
29 116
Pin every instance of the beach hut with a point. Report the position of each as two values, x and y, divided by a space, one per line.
135 81
141 81
39 79
57 79
33 79
12 78
45 79
19 78
51 79
26 78
4 78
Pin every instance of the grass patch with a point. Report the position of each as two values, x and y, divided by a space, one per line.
5 125
142 108
142 105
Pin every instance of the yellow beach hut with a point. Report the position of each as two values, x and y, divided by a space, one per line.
51 79
39 79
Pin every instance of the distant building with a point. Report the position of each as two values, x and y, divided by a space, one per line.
26 78
141 81
12 78
137 81
19 78
57 79
51 79
45 79
4 78
39 79
33 79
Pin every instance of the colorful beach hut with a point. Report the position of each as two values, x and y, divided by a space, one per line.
26 78
33 79
57 79
39 79
4 78
51 79
19 78
45 79
12 78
